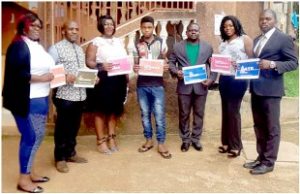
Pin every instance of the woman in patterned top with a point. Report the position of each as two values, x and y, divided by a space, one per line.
239 46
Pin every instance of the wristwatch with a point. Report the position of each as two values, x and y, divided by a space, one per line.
273 65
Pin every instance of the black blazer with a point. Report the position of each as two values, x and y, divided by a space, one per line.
16 89
279 48
179 56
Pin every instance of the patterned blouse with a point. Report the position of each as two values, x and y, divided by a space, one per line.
234 48
72 57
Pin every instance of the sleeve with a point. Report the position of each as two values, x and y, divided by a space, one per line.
172 63
53 52
164 47
213 75
135 51
18 60
289 60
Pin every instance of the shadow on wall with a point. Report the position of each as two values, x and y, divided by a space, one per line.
130 122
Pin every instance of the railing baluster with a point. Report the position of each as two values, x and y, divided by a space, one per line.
86 13
93 14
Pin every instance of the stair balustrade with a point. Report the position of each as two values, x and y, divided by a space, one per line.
86 13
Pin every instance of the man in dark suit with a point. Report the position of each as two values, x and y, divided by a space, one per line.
189 52
277 56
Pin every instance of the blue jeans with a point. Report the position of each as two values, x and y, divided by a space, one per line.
32 129
152 100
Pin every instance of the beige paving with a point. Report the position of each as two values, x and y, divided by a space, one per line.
288 152
129 171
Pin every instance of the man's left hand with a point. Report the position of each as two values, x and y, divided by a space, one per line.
207 82
264 64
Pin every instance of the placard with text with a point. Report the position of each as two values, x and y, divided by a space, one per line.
151 67
121 66
247 69
86 78
59 76
221 63
194 74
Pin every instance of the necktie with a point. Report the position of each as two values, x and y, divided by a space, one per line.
261 43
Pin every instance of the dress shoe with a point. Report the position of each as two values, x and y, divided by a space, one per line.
251 165
261 169
185 147
197 146
77 159
61 166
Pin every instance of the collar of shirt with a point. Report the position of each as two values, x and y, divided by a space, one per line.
269 33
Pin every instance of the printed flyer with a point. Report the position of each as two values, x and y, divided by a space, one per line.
59 76
194 74
86 78
151 67
121 66
221 63
247 69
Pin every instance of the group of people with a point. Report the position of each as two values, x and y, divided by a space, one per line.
26 90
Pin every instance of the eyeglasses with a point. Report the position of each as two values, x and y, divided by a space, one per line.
36 26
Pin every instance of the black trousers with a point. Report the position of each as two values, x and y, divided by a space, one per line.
232 92
66 128
186 104
266 114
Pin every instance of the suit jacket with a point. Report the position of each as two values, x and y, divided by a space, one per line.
179 59
16 88
280 49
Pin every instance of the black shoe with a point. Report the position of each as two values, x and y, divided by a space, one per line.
197 146
261 169
234 153
223 149
251 165
185 147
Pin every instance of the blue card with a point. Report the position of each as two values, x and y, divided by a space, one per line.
194 74
247 69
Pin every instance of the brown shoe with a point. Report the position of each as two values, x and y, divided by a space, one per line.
77 159
61 166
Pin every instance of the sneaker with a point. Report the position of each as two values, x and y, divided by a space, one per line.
77 159
61 166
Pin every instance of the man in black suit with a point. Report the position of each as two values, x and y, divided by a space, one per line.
277 56
189 52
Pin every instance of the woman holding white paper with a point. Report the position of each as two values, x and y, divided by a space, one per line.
239 46
109 94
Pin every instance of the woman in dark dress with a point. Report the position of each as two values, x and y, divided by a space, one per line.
108 96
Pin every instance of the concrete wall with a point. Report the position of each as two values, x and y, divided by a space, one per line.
130 122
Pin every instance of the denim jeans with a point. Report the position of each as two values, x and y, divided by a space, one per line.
152 100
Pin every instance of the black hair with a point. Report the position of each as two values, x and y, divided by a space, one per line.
101 22
271 12
239 31
25 20
192 23
147 19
